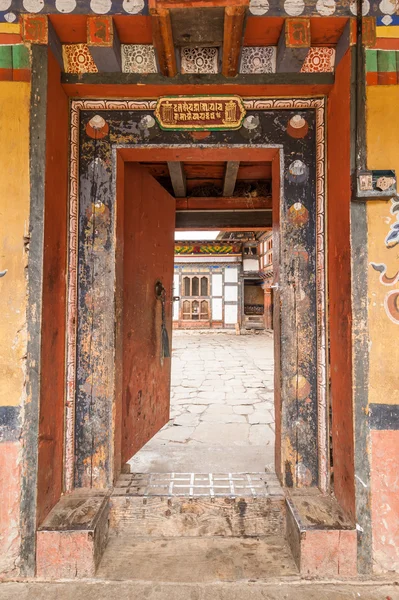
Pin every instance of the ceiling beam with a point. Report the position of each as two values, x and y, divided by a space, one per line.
234 20
178 177
218 203
293 45
104 44
230 177
230 219
162 36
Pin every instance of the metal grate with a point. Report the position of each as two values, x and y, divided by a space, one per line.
197 485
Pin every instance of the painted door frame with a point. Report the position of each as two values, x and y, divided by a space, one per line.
123 152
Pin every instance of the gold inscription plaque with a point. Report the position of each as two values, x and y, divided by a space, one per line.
200 112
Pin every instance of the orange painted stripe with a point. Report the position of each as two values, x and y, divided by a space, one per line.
5 74
10 38
387 78
21 75
372 78
387 44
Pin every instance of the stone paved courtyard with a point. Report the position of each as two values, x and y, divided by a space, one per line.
222 414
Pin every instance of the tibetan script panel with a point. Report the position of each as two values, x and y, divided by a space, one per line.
219 112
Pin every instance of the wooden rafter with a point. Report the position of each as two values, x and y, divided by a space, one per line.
230 177
178 178
163 41
234 20
104 45
293 45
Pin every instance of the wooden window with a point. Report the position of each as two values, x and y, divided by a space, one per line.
195 287
204 310
204 286
186 286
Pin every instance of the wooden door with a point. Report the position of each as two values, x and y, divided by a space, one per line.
148 257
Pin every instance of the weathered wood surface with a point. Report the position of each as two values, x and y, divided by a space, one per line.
175 517
196 559
72 539
163 42
230 177
234 20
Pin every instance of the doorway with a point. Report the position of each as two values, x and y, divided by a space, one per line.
300 447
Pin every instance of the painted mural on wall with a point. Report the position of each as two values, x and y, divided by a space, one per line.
98 129
386 278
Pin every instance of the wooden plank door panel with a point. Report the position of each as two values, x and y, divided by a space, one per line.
148 255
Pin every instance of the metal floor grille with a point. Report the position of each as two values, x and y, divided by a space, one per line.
197 485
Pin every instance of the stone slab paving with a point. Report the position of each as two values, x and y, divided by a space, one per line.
222 411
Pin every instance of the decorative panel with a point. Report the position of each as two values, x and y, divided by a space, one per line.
217 287
199 60
138 58
77 59
231 275
258 59
230 314
217 309
230 293
319 60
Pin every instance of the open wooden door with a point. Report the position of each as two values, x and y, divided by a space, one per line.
149 225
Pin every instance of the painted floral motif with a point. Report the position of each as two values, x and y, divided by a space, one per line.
258 59
319 60
391 300
77 59
138 58
199 60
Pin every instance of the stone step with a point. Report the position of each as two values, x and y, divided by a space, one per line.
198 505
195 559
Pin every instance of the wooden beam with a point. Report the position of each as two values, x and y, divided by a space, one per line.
178 177
230 177
293 45
234 20
165 84
104 44
163 41
196 3
347 39
217 203
250 219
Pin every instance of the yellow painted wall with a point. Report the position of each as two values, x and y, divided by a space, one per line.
14 215
382 153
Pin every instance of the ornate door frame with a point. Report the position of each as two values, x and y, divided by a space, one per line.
100 134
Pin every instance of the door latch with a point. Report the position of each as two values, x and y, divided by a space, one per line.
160 294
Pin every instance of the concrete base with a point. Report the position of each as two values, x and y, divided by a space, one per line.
71 541
322 540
